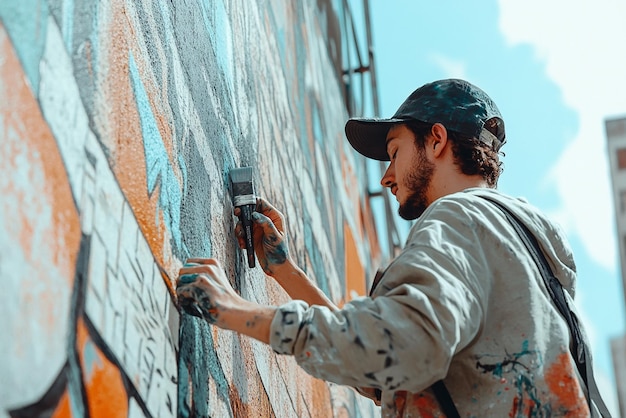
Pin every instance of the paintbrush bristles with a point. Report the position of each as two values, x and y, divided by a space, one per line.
241 175
242 186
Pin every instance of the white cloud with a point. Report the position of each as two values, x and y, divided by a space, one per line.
450 67
582 44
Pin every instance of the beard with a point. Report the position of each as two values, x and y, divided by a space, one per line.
417 183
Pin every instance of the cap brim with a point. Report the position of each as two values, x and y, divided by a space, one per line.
369 136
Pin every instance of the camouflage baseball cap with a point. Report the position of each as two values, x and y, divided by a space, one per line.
456 104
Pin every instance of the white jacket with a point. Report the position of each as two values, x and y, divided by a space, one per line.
463 302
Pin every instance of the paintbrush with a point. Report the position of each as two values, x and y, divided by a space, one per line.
244 199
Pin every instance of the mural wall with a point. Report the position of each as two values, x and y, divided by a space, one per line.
119 123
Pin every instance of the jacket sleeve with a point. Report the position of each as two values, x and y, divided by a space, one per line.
428 306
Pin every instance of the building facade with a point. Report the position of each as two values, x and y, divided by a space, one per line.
616 140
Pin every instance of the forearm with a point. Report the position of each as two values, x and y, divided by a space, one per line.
299 286
248 318
204 291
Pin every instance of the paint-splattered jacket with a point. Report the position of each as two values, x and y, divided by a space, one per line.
463 302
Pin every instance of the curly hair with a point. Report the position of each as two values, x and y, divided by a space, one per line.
470 154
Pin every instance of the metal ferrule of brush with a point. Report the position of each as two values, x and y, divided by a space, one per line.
244 198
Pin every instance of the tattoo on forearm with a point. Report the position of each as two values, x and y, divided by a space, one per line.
251 323
277 251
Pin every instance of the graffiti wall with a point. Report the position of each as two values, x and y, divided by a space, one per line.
119 123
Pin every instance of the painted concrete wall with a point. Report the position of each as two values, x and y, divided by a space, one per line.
119 123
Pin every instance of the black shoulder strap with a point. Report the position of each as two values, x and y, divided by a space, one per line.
445 400
578 347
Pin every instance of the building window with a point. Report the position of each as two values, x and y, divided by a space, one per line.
621 158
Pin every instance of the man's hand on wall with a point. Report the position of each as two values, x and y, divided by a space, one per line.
270 244
270 240
203 290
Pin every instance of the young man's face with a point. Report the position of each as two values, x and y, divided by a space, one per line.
409 173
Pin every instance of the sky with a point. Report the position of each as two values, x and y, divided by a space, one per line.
557 71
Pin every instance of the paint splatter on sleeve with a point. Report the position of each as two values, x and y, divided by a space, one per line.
385 343
286 325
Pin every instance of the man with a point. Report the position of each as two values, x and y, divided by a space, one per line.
464 302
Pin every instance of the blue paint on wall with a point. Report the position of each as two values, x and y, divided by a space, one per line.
315 255
215 20
81 33
183 170
67 8
90 359
318 129
26 21
94 37
196 208
198 363
158 168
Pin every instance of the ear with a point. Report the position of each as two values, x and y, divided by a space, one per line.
438 139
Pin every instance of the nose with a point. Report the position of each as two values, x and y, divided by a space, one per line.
389 177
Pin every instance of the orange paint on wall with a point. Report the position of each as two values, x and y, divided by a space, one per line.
29 135
119 129
63 408
562 381
350 180
365 222
320 404
104 386
355 272
372 236
257 402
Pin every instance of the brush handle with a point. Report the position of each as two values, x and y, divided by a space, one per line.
246 222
